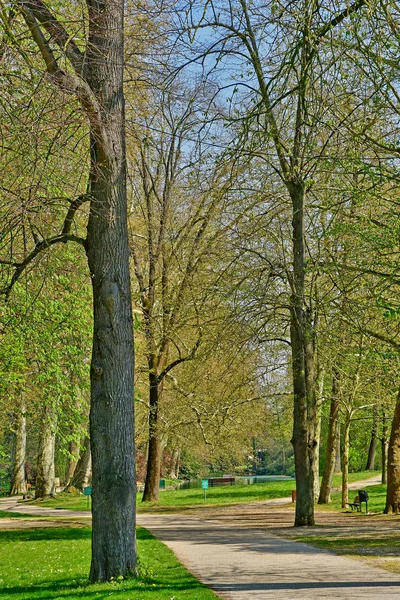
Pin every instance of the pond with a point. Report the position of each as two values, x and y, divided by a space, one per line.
248 480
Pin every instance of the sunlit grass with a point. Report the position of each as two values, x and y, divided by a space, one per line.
225 495
376 502
54 564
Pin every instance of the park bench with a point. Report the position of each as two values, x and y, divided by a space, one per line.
355 504
362 496
217 481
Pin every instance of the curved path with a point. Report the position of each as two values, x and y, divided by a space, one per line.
241 561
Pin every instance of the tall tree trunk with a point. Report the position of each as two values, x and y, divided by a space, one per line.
95 78
72 458
303 439
393 464
18 485
152 483
45 484
174 469
345 460
83 467
373 443
384 445
111 413
317 434
338 454
329 468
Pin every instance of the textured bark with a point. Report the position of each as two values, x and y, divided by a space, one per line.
384 446
152 483
329 468
83 467
317 433
373 445
338 454
393 464
303 439
174 470
73 456
111 413
345 461
45 485
95 78
18 485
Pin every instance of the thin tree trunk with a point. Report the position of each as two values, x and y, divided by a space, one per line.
152 483
303 423
326 484
72 458
45 484
393 464
373 445
384 446
345 460
317 435
18 485
83 467
174 470
338 454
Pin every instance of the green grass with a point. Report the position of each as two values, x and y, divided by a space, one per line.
4 514
53 564
376 544
182 499
376 502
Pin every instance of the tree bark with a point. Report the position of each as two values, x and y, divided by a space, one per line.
83 467
45 485
384 446
111 413
303 367
73 457
174 469
393 464
152 483
338 454
329 469
317 434
345 460
18 485
373 445
95 78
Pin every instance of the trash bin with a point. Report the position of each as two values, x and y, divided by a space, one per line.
363 497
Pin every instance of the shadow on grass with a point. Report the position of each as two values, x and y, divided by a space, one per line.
49 590
50 533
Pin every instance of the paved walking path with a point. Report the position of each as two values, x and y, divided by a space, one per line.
242 564
245 562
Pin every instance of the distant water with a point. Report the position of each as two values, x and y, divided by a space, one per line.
196 483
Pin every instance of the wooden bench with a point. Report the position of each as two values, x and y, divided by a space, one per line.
361 497
356 504
217 481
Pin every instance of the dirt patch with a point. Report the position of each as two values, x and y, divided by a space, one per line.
37 523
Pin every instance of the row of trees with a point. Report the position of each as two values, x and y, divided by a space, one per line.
248 170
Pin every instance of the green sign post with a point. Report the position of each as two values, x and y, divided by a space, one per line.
87 491
204 485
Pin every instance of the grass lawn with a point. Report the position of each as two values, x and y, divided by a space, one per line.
376 502
53 564
182 499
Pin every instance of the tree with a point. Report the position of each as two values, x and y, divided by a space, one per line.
280 74
94 76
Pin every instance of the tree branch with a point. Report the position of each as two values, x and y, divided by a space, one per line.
39 247
59 36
